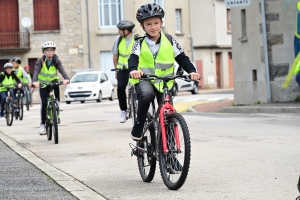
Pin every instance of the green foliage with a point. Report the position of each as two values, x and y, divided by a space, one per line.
297 98
258 102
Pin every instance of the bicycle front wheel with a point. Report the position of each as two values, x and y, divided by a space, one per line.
21 108
54 125
49 124
175 164
27 99
146 158
9 112
133 105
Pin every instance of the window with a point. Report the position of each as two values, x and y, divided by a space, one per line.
110 12
159 2
243 19
46 15
178 20
228 21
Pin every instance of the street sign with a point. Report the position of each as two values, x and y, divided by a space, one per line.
235 3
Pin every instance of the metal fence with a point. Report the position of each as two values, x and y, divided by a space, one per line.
14 39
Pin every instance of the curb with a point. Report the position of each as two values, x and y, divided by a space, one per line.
72 185
268 110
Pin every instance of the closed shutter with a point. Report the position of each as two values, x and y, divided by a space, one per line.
46 15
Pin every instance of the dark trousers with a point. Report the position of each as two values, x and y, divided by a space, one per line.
3 96
121 91
44 94
146 93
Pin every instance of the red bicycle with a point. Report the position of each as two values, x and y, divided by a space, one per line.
165 138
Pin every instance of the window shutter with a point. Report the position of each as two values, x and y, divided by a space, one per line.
46 15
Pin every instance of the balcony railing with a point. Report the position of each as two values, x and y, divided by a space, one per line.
15 40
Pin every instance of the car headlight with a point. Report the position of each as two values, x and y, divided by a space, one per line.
69 87
94 85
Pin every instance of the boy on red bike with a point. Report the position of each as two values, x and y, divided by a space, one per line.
155 53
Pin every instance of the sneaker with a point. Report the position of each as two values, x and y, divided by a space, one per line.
123 116
42 130
137 131
61 108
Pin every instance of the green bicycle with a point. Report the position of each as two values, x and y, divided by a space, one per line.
52 113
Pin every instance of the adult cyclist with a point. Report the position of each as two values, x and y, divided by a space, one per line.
45 71
154 53
21 73
121 51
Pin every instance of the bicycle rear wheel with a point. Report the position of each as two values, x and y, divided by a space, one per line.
9 112
16 113
49 124
174 165
54 125
27 99
146 159
20 104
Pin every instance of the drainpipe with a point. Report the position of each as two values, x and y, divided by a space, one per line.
263 15
190 36
88 32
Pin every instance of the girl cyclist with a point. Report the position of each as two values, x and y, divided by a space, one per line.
154 53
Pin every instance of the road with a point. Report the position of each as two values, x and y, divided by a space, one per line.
234 156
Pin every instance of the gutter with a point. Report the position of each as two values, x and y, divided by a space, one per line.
88 32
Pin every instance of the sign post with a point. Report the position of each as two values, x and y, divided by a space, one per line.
235 3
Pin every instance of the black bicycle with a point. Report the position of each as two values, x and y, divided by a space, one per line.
19 104
165 138
27 95
131 99
52 113
8 107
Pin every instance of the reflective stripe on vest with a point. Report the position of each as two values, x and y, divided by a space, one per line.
124 53
47 75
7 82
163 65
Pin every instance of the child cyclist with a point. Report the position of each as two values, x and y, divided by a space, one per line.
7 82
154 53
45 71
20 72
27 69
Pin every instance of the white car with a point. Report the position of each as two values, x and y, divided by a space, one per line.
86 86
182 85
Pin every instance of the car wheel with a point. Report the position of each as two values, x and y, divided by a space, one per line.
81 101
100 97
174 90
111 98
195 89
68 102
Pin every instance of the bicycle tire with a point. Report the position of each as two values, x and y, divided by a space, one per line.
21 111
171 163
133 106
54 125
17 113
48 125
147 160
27 99
9 113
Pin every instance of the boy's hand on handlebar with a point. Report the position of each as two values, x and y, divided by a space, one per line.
19 85
136 74
29 85
36 84
66 81
195 76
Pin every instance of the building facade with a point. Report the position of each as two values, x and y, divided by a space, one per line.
211 32
251 83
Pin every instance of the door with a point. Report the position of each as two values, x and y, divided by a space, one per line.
106 64
31 63
104 85
2 63
218 69
230 70
9 24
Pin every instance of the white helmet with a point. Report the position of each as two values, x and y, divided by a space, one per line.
8 65
48 44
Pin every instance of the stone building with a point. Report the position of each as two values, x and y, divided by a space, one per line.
250 80
211 32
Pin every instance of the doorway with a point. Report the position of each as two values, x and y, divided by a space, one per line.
218 69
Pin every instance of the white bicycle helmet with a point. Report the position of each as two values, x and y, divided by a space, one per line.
8 65
48 44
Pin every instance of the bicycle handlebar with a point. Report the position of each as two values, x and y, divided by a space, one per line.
166 78
120 69
52 83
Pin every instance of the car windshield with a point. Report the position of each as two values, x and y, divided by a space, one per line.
84 78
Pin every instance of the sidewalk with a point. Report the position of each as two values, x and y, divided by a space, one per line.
21 180
228 107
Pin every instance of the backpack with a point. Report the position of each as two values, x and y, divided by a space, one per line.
168 36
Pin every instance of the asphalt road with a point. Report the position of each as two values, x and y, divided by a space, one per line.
21 180
234 156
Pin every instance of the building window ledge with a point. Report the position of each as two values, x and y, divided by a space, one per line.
243 39
179 34
108 34
228 32
46 32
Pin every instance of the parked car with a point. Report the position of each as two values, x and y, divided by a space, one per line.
182 85
86 86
